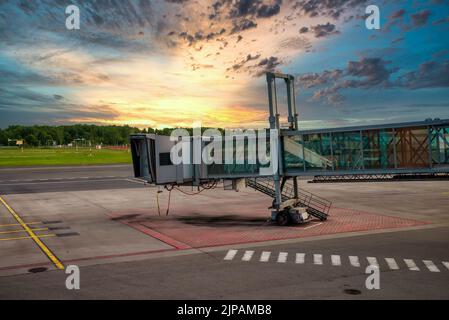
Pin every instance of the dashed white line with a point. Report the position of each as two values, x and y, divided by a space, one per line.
313 226
354 261
411 264
431 266
392 264
336 260
282 258
248 255
318 259
230 255
372 261
300 258
265 256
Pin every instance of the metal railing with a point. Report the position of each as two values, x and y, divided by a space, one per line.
305 198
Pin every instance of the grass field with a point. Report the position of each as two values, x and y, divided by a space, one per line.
14 157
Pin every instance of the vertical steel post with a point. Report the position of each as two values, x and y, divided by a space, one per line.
332 150
429 138
295 111
395 161
361 150
274 124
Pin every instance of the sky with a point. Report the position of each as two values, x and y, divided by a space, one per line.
173 63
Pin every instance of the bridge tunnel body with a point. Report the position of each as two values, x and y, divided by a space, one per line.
404 147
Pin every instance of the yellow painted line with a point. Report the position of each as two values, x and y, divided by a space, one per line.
18 224
20 238
33 236
21 230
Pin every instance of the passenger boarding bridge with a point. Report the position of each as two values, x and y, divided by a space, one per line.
399 148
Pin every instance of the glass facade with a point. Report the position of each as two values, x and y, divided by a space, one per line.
380 149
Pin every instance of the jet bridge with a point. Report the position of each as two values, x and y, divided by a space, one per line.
414 147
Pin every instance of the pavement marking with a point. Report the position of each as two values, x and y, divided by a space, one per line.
21 230
372 261
300 258
135 181
21 238
59 182
33 236
354 261
315 225
411 264
318 259
18 224
446 264
336 260
392 263
230 255
282 258
431 266
247 255
265 256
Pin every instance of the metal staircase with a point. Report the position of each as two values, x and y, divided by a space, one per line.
316 206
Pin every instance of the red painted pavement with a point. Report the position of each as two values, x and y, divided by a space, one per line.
185 229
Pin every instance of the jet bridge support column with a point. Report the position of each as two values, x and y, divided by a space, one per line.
274 124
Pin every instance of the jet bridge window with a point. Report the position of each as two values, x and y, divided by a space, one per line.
164 159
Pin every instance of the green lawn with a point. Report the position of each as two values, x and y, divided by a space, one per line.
64 156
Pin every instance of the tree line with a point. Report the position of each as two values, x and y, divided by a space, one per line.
63 135
82 134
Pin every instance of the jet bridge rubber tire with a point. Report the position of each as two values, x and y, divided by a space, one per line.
283 218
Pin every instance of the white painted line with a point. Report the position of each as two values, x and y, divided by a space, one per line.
372 261
392 263
300 258
336 260
230 255
57 182
265 256
411 264
282 258
446 264
136 181
317 259
431 266
315 225
248 255
354 261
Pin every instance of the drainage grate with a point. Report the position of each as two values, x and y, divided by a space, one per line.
69 234
37 270
58 228
352 291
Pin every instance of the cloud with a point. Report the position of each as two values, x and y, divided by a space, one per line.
267 65
420 18
430 74
366 73
324 30
327 8
304 30
242 25
254 8
398 14
369 73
